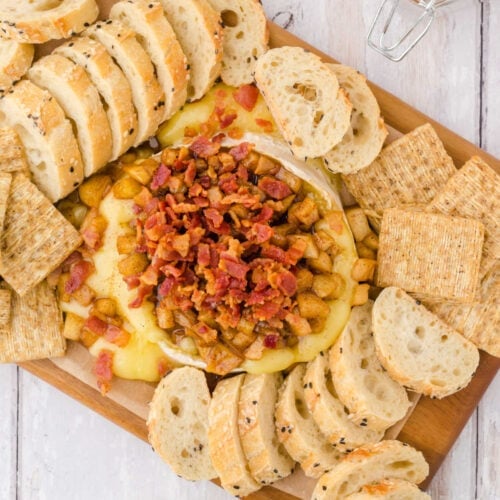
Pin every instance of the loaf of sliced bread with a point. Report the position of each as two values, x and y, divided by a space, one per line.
154 33
417 349
373 399
366 134
76 94
147 94
297 430
390 489
47 136
266 457
371 463
178 423
245 38
302 93
39 21
224 442
329 413
197 27
15 59
112 86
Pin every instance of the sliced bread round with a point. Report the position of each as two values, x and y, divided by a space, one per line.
266 457
41 21
147 95
246 38
197 27
366 134
154 33
224 442
369 464
15 59
297 430
78 97
47 136
331 416
390 489
417 349
301 92
111 84
372 397
178 423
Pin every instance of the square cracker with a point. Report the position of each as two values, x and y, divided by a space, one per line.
432 255
409 171
5 303
5 181
12 155
36 236
35 329
474 192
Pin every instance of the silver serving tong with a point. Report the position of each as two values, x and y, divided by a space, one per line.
395 51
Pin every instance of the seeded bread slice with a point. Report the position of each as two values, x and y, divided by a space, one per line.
78 97
147 19
112 86
178 423
329 413
366 134
298 431
246 38
371 396
371 463
39 21
197 27
15 59
224 442
390 489
147 95
302 92
418 349
267 458
47 136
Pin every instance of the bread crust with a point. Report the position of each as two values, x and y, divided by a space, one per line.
15 59
390 489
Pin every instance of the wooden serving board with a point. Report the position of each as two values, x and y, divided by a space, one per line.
433 426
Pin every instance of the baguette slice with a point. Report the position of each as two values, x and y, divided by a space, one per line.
51 148
298 431
197 27
329 413
15 59
246 38
178 423
390 489
79 99
366 134
372 463
111 84
224 442
147 95
371 396
39 21
418 349
267 459
147 19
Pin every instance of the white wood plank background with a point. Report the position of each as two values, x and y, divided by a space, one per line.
53 448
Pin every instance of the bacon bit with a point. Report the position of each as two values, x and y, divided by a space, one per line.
160 177
265 125
73 258
228 183
241 151
260 233
96 325
92 229
287 283
266 311
296 251
79 272
246 96
166 287
227 120
271 341
275 253
203 254
103 370
235 269
164 367
181 244
274 188
203 147
265 215
117 335
143 292
132 281
190 173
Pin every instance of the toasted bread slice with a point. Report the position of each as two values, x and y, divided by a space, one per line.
224 442
112 86
12 154
418 349
297 430
51 148
302 93
78 97
15 59
178 423
267 459
371 463
390 489
197 27
158 39
366 134
373 399
246 38
39 21
329 413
